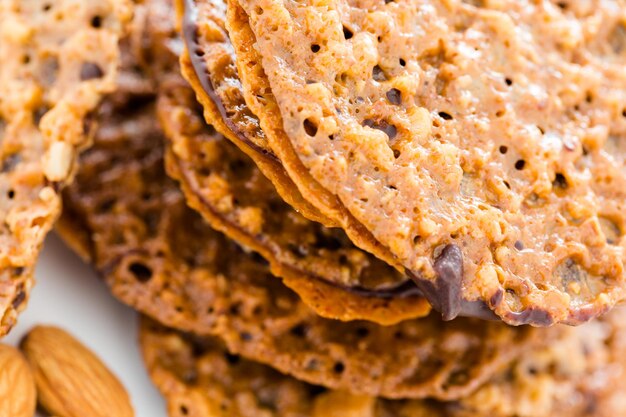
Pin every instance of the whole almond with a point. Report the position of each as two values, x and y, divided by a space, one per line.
71 381
17 386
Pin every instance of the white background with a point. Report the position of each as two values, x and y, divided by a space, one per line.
68 294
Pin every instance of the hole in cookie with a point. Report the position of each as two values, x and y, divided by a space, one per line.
183 410
46 7
231 359
96 22
383 126
506 184
339 367
416 239
394 96
347 33
11 194
326 241
309 127
10 162
234 309
378 74
298 330
503 149
402 62
19 298
39 113
500 113
106 205
257 258
559 181
508 81
445 116
519 245
362 332
141 272
396 153
315 48
519 164
90 71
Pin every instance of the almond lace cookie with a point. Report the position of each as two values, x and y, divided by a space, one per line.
57 60
581 375
480 142
159 256
212 72
327 271
226 187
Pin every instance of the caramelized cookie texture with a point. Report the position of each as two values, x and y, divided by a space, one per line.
326 270
58 59
159 256
221 94
208 51
230 191
581 375
495 127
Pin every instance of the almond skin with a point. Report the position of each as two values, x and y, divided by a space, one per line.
17 385
71 381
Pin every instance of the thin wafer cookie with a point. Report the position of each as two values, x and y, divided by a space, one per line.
160 257
321 265
476 180
210 69
58 59
581 375
328 272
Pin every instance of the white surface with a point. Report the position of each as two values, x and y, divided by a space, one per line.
70 295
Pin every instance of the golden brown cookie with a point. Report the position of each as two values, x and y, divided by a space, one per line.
225 108
480 143
57 60
228 189
159 256
322 265
211 71
581 375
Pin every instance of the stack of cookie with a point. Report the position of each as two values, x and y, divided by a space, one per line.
360 208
